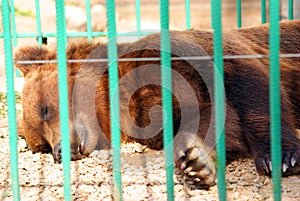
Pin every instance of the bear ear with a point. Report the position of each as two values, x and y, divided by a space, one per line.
31 53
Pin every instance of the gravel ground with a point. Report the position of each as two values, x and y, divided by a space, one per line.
143 177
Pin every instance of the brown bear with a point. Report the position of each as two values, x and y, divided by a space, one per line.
246 88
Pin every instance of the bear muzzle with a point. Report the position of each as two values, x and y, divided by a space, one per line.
77 145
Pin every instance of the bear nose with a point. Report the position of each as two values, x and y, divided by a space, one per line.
57 152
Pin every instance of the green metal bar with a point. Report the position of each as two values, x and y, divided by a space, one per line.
263 12
239 13
63 96
166 79
291 9
219 97
13 22
79 34
275 123
114 97
89 20
138 17
14 29
188 14
12 124
38 22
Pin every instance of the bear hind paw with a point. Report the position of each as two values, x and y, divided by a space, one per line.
198 168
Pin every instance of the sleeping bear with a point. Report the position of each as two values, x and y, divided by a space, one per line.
246 88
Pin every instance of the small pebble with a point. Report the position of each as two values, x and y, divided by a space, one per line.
267 181
295 181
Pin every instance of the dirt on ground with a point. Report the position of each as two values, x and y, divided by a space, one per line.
143 177
143 170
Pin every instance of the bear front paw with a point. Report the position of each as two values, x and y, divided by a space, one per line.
198 167
290 163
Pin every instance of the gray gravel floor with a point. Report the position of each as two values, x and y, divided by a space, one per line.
143 177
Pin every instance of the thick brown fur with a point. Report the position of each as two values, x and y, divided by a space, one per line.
246 86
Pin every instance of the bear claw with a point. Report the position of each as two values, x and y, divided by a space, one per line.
284 167
293 162
263 166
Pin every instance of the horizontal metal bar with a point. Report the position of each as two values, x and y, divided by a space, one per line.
191 58
80 34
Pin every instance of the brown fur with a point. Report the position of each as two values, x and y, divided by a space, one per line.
246 87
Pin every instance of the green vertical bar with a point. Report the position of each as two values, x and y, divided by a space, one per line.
219 97
38 22
291 9
239 13
114 97
138 17
274 42
13 28
13 22
166 79
89 21
263 12
63 96
12 124
188 14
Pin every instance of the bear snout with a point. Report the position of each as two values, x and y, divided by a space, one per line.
76 153
78 138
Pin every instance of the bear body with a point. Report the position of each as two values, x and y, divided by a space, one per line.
246 88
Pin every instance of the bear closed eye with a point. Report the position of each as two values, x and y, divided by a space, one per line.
45 113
